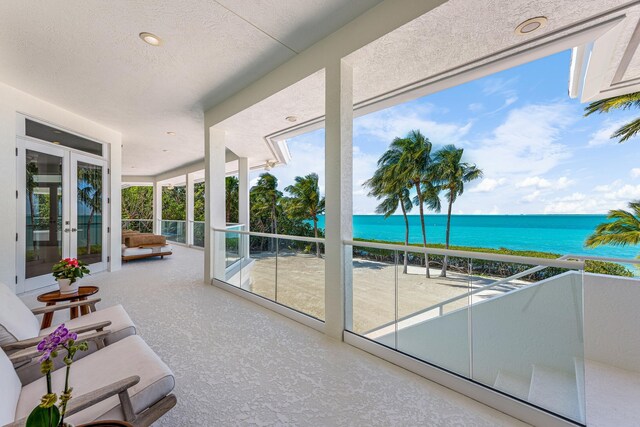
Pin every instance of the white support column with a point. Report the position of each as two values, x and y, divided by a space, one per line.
115 207
157 208
214 175
244 208
190 206
339 206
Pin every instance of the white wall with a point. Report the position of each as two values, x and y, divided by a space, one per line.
13 101
612 320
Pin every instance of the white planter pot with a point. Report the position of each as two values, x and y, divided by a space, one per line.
66 287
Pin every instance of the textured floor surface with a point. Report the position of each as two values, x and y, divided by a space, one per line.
237 363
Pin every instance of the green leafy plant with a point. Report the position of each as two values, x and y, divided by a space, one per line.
70 268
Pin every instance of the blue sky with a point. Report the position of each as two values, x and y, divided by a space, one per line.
538 153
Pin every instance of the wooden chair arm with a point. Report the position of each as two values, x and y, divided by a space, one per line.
51 308
28 354
20 345
77 404
120 388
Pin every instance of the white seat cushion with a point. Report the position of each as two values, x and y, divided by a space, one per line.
121 324
17 322
9 390
128 357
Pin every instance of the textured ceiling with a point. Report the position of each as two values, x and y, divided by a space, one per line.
85 56
454 34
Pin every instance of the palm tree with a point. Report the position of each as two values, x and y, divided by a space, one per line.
231 199
393 193
306 202
265 198
409 159
450 174
622 231
622 102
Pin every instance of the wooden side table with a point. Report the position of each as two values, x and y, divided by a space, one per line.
51 298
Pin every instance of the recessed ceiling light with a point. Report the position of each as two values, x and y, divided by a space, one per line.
531 25
57 131
151 39
56 142
171 133
291 119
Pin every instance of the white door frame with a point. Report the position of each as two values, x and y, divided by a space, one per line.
23 144
70 157
73 208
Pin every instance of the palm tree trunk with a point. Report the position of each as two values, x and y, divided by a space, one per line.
315 232
33 217
424 230
89 221
406 237
443 273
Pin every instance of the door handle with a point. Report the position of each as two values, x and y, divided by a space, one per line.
66 230
73 230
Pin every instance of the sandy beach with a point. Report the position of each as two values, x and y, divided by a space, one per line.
300 285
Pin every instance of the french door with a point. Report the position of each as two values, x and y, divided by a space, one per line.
62 211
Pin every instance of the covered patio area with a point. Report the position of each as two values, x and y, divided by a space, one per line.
238 363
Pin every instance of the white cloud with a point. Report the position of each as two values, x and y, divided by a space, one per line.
603 135
388 124
534 181
498 85
527 143
531 197
563 182
487 185
476 107
635 172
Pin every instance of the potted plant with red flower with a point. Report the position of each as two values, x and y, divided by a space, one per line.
67 272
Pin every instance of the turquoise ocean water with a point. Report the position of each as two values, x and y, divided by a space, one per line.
562 234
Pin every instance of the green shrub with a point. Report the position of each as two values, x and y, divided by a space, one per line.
487 267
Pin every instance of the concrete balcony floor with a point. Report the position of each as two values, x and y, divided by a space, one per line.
237 363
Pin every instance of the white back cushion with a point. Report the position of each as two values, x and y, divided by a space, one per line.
10 388
17 322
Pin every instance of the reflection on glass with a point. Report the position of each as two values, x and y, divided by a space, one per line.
44 213
89 207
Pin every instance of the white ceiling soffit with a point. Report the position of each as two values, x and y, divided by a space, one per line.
609 66
456 42
86 56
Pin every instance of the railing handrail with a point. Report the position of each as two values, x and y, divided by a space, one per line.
271 236
487 256
601 258
172 220
136 219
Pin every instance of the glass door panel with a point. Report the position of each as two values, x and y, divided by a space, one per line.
44 211
89 213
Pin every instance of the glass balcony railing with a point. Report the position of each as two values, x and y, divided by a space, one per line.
198 234
288 270
175 231
140 225
511 323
